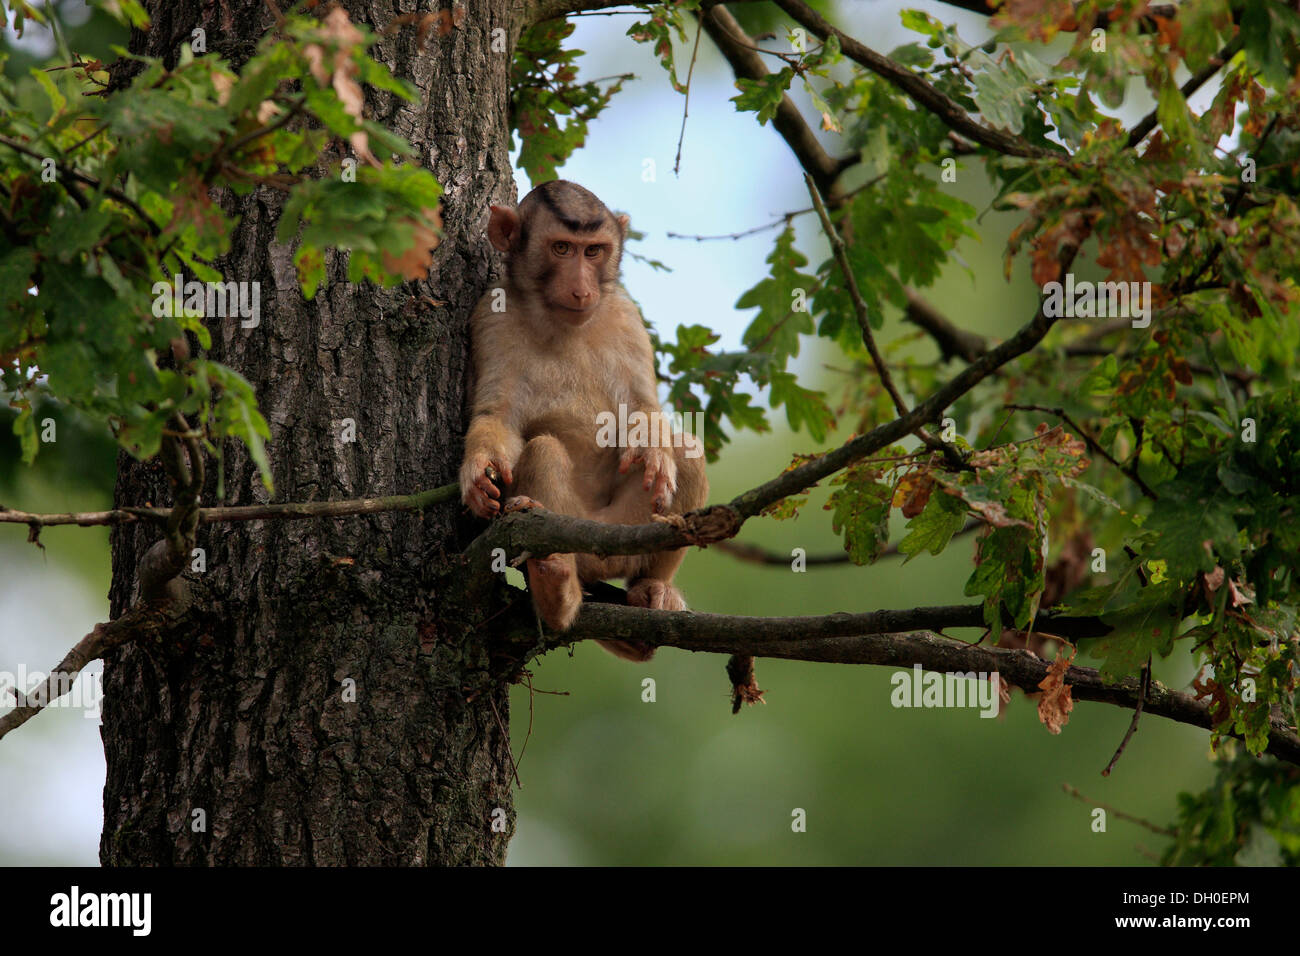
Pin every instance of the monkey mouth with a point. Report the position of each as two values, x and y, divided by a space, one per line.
576 315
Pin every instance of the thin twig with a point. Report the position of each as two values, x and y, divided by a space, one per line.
686 101
1089 441
841 254
835 202
1145 683
90 181
1154 828
514 767
288 510
755 554
1198 79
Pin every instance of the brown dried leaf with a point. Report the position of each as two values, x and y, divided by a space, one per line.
414 262
1055 704
1214 580
913 493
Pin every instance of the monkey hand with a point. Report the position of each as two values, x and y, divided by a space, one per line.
660 473
477 489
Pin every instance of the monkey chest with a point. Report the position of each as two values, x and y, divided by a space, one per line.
572 397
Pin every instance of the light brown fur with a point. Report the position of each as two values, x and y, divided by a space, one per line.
569 345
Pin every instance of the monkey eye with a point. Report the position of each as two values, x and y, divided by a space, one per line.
594 251
561 248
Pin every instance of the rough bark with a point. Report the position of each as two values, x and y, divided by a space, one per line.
247 721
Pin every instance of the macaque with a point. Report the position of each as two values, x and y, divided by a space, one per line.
557 344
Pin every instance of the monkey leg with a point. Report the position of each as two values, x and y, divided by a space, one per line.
544 478
650 577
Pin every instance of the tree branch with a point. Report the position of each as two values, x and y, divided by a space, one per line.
1198 79
755 554
548 9
732 41
921 92
145 620
1167 11
861 639
91 181
286 511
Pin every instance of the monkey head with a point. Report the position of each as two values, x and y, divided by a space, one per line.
563 248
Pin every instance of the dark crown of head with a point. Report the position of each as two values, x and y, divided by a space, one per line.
576 208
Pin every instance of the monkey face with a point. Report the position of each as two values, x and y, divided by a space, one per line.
572 272
563 248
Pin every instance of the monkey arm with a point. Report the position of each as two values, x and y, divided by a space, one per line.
490 441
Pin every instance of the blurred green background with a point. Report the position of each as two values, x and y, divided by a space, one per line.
610 779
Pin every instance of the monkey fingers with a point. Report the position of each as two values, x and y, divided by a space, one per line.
479 496
660 478
631 455
482 479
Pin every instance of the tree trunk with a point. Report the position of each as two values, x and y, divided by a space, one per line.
241 744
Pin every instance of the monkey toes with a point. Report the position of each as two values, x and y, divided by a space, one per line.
638 651
656 595
520 503
649 593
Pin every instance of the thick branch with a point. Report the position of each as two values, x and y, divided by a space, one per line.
921 92
856 639
734 44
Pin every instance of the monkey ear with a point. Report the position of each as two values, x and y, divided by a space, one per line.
622 221
503 227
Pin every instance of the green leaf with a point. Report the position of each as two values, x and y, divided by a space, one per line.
1144 629
1009 574
861 512
24 427
931 530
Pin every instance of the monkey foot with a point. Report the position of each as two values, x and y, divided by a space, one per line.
520 503
638 651
557 594
655 594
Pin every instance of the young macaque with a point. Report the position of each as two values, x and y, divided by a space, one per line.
555 346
